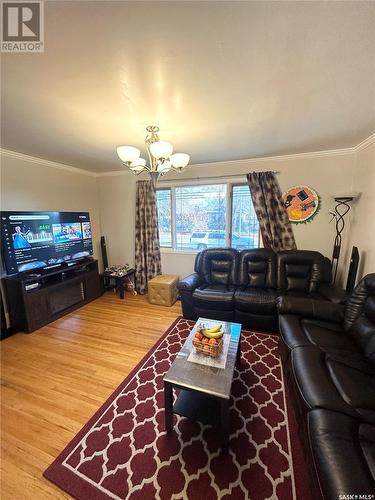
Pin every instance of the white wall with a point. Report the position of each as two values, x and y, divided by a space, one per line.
117 216
362 230
27 185
110 199
327 174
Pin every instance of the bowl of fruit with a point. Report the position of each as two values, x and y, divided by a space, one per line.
209 341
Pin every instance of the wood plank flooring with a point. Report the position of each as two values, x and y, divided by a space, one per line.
53 381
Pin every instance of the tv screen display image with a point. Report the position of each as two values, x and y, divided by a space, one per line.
34 240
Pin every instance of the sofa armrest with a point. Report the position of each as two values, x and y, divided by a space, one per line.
310 308
190 283
333 293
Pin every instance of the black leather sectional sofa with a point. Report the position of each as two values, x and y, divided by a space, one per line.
328 353
244 286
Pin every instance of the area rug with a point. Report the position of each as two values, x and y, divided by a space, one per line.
123 451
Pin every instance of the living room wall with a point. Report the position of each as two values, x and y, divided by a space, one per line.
328 174
29 185
362 229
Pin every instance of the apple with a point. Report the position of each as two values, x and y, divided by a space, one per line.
199 336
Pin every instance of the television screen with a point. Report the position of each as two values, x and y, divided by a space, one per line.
33 240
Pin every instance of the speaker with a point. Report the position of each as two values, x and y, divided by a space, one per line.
104 252
353 269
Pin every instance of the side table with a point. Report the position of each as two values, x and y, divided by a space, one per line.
111 280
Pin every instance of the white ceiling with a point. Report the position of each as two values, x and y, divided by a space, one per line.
223 80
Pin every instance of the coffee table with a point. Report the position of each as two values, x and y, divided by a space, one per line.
204 390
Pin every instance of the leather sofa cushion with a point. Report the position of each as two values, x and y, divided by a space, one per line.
354 379
219 266
363 332
214 297
346 386
327 336
314 383
257 268
357 301
256 300
301 294
257 322
298 277
344 453
291 331
360 316
257 274
370 308
300 271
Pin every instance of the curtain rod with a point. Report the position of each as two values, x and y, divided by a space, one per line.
229 176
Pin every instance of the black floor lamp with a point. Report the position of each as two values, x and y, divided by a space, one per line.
341 209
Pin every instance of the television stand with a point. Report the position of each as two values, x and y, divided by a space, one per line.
36 299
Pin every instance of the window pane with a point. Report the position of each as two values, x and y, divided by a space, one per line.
163 198
200 216
245 227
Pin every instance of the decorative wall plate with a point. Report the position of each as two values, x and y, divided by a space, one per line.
302 204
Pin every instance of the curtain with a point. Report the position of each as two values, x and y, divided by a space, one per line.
147 247
275 227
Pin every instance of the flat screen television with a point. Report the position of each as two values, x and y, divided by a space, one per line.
36 240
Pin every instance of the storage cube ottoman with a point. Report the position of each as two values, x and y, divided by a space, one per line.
162 290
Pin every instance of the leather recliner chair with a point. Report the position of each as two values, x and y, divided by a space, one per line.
210 291
228 285
328 355
255 297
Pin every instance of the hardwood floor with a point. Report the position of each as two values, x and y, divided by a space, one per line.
54 379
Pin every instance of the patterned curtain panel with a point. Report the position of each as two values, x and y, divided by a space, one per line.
147 247
276 230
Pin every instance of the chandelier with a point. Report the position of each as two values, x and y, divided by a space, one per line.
159 153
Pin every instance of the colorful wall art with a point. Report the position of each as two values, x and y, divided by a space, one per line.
302 204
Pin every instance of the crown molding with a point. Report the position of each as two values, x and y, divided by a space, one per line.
247 161
266 159
45 163
365 144
114 173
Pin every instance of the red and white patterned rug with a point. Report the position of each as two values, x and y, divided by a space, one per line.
123 452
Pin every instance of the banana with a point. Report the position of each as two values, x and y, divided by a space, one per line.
213 335
214 329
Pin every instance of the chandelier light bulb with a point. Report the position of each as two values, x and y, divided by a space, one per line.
139 162
180 160
165 166
128 153
161 149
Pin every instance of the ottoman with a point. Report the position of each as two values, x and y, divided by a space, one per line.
162 289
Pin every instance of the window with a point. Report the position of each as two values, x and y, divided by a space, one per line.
197 208
207 216
164 205
245 226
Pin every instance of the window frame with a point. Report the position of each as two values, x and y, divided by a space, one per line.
232 185
172 185
171 246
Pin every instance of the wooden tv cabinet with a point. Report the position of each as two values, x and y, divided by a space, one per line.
57 293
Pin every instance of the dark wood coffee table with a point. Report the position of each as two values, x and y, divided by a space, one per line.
204 390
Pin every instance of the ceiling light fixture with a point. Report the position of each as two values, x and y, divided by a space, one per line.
160 155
